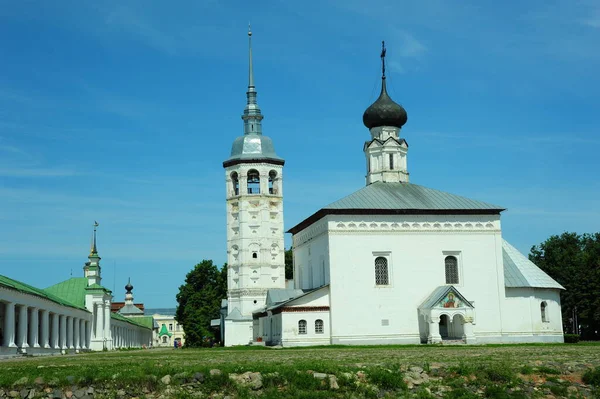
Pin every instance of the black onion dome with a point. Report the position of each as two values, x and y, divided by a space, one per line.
384 111
129 287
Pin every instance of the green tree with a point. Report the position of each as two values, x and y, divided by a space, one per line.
289 264
574 261
199 301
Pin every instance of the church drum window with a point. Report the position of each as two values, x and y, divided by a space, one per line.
543 307
235 181
253 182
451 264
302 327
319 326
381 271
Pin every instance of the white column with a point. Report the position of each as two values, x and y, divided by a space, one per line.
34 328
82 335
107 329
70 332
63 331
76 330
468 334
45 338
88 333
99 315
55 332
9 325
434 331
22 333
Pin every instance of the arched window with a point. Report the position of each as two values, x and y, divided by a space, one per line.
391 161
254 255
235 181
253 182
543 307
272 187
451 270
381 271
302 327
319 326
165 339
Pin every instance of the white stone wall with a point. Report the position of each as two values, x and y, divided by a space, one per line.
523 320
238 332
415 247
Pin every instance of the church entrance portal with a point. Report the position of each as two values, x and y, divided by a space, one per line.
451 329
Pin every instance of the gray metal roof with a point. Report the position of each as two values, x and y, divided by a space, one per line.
236 315
278 295
130 309
253 147
521 272
440 293
399 198
382 195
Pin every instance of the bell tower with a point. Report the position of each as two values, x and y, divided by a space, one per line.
254 197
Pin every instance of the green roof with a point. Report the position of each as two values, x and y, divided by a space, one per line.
47 294
71 290
382 198
132 320
146 321
164 331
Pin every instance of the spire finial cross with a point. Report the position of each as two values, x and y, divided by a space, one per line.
383 59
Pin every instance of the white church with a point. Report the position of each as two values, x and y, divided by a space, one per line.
391 263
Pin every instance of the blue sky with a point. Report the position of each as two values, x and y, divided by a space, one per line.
123 111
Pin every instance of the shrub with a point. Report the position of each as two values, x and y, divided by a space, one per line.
547 370
592 377
386 379
571 338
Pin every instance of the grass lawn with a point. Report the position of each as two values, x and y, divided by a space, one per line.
502 371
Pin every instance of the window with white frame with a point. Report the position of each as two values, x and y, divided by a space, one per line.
319 326
302 327
381 271
451 263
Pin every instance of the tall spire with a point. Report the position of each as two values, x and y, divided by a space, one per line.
94 250
252 116
250 72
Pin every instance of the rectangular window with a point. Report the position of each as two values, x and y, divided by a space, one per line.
391 161
381 271
170 327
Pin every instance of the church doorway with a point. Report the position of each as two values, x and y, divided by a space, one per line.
451 329
444 321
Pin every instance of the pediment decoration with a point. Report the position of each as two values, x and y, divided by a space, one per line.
446 297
